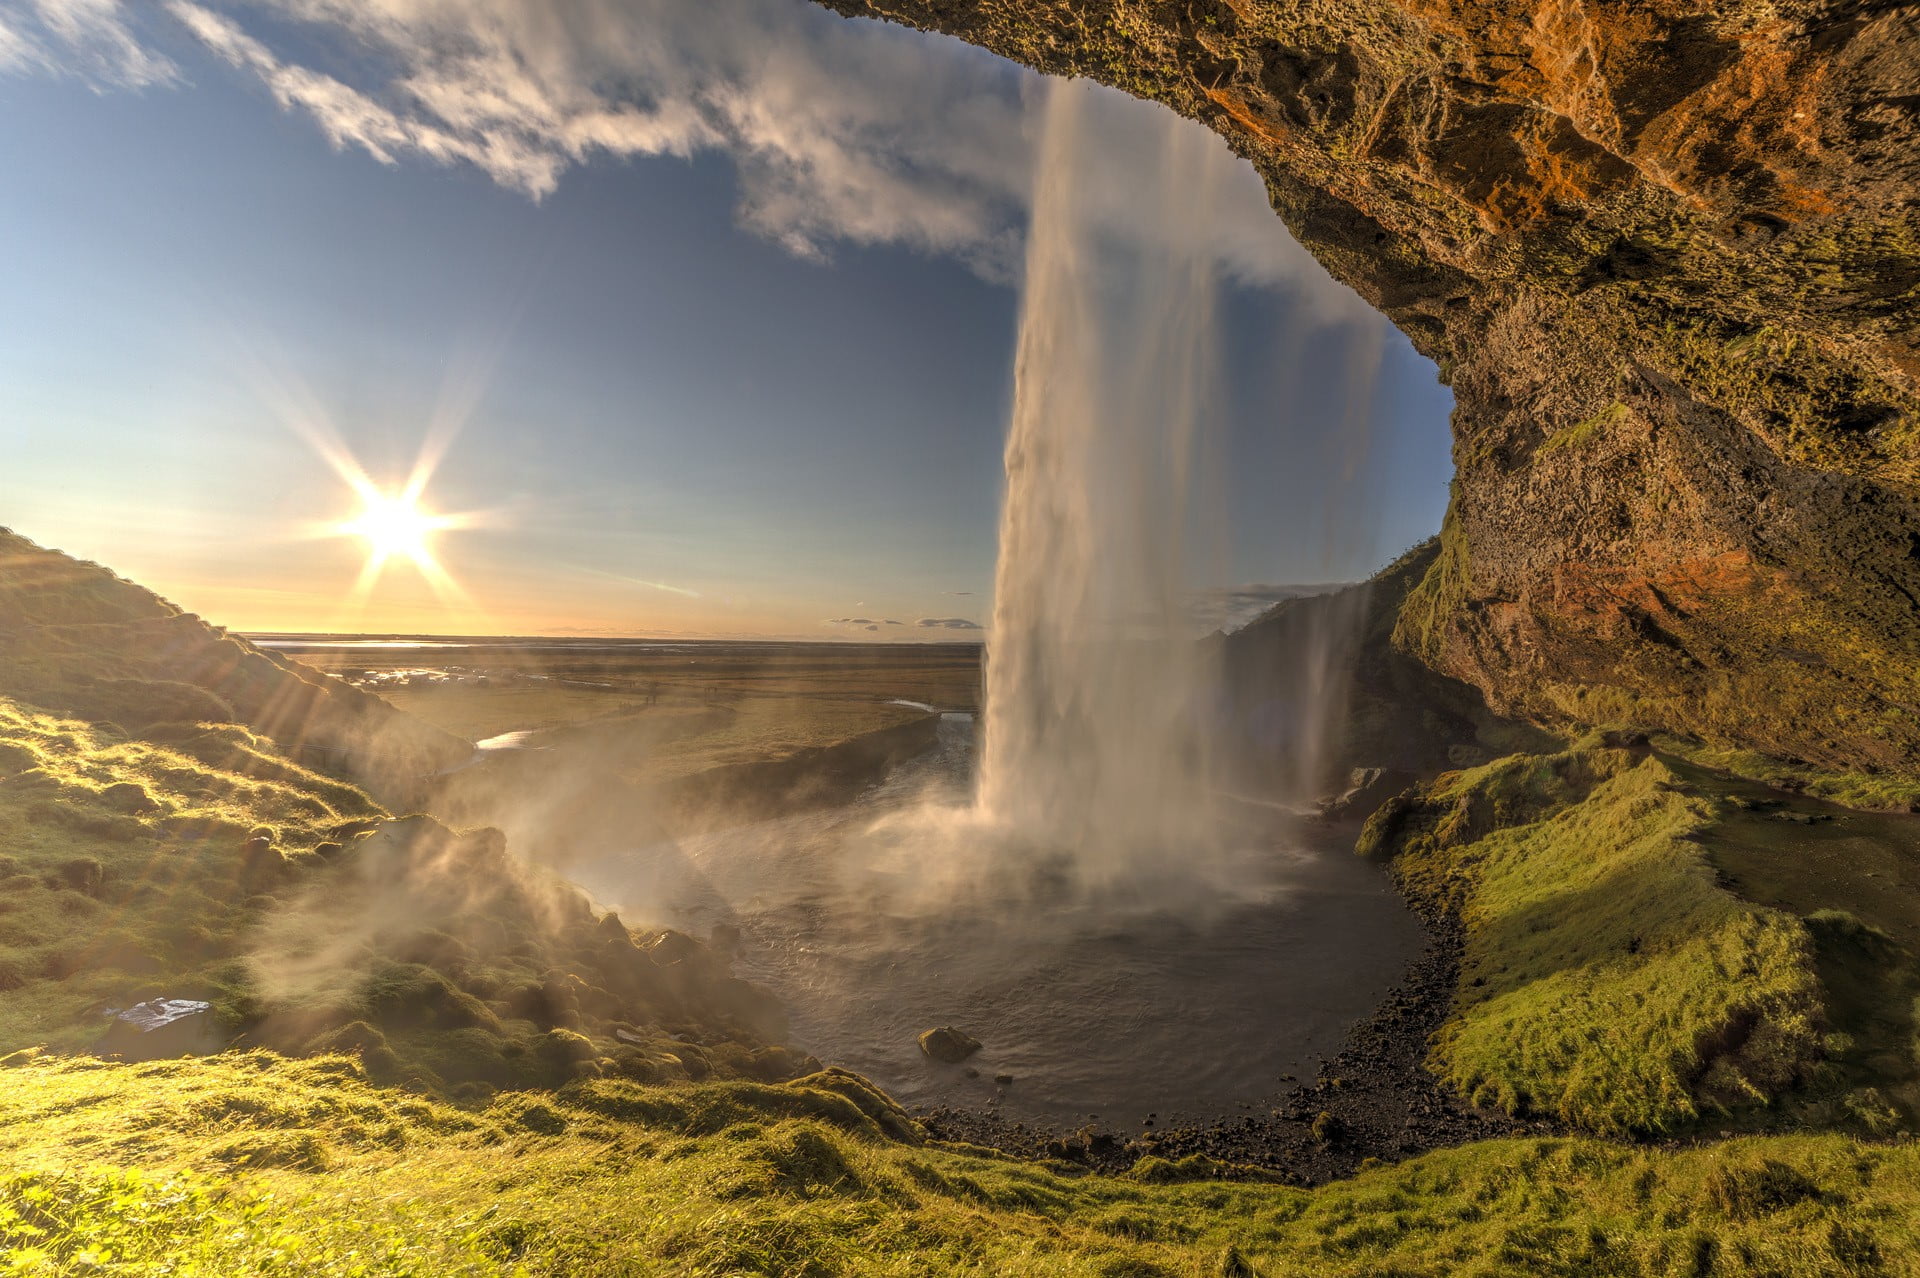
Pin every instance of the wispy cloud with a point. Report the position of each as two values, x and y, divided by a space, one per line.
642 582
947 623
841 131
94 39
16 50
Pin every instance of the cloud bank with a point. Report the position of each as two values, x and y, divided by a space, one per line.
947 623
841 132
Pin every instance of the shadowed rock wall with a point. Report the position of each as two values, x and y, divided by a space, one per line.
1667 254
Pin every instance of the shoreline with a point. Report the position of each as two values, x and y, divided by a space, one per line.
1374 1099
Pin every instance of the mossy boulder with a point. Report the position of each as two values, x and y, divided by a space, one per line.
948 1045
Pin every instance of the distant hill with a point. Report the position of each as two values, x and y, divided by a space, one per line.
81 642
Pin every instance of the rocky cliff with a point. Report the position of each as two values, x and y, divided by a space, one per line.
1667 254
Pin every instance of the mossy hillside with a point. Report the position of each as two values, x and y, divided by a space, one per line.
1887 792
251 1164
1854 877
1340 650
215 868
1435 596
125 870
1608 980
81 642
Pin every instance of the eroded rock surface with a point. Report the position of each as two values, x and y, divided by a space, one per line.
1667 254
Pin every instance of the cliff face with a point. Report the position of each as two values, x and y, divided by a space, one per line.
1667 254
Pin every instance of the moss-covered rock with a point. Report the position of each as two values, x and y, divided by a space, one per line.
1608 979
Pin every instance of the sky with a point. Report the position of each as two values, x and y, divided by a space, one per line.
702 311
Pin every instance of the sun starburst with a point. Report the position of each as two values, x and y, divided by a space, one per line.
396 527
396 522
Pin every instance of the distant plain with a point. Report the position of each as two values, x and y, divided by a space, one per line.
653 710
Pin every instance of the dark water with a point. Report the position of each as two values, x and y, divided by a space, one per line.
1184 997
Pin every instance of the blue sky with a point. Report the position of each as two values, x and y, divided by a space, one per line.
738 364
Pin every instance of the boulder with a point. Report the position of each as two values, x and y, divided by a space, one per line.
82 874
1367 789
671 948
948 1045
130 798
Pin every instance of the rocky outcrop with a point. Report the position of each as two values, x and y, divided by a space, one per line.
1667 254
1320 690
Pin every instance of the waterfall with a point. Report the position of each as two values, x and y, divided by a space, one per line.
1098 698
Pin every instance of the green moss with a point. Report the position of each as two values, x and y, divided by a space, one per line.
1887 792
166 870
217 869
1607 979
1584 431
1432 604
216 1168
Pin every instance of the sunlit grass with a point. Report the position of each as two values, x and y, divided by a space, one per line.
124 874
251 1165
1609 980
215 869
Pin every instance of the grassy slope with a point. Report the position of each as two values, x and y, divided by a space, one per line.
123 876
216 1168
78 641
1609 977
151 845
1613 978
214 868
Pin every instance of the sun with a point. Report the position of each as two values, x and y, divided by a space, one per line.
395 527
394 522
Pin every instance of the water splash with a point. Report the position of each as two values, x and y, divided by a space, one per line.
1097 719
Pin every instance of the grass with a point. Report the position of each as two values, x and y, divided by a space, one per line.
85 644
1608 979
1587 430
1855 878
481 1088
251 1164
213 868
124 875
1889 792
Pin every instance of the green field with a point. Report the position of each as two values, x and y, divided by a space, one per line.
1653 947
